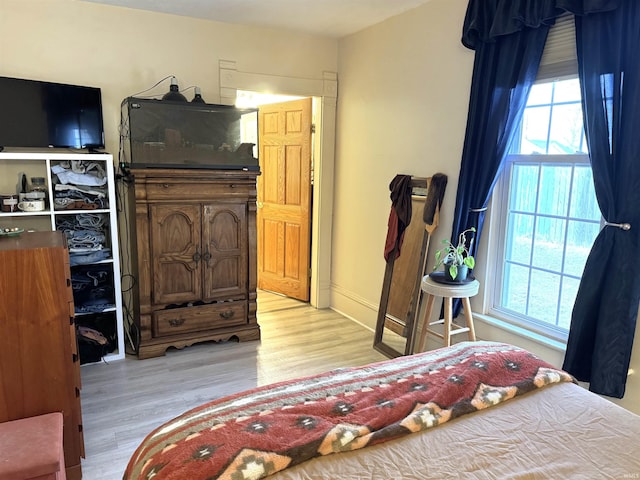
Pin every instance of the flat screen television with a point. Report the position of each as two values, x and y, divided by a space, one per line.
38 114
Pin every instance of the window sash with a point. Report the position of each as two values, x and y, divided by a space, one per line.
500 213
559 62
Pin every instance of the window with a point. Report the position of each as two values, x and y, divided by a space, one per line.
549 216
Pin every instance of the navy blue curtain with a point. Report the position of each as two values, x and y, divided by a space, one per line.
508 37
604 316
504 70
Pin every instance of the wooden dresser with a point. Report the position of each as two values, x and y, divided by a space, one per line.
193 253
39 365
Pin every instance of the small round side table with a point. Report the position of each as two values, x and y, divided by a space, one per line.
448 292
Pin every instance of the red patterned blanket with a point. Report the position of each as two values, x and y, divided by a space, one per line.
258 432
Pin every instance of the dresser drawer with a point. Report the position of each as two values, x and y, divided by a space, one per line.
202 317
198 191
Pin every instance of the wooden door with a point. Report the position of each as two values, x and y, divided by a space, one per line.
224 256
284 198
176 253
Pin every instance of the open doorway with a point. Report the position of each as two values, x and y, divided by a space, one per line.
284 196
323 89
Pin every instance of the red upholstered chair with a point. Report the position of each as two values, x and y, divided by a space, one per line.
31 448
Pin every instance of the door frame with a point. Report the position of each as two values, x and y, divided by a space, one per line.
324 92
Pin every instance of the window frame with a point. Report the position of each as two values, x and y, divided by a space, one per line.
499 216
559 62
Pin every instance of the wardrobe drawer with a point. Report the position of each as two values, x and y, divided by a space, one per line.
198 191
197 318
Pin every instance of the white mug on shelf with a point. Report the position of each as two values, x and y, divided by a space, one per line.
31 206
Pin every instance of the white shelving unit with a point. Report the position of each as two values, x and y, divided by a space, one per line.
38 164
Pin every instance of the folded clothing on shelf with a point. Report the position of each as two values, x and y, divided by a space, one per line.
92 288
80 185
86 234
80 172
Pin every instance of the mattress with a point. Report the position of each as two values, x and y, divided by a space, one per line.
473 410
560 432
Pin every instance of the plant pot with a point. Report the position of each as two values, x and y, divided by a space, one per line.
463 271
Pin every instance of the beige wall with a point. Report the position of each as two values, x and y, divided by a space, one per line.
402 108
125 51
403 97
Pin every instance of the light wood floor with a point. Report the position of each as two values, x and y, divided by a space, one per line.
124 400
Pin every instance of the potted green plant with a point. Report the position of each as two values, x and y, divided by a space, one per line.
456 259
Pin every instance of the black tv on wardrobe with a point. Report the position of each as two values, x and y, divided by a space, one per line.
38 114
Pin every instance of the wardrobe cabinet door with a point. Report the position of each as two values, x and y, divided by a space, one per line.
226 247
176 252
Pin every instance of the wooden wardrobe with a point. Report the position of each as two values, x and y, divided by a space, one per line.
193 244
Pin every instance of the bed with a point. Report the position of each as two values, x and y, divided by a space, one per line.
475 410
